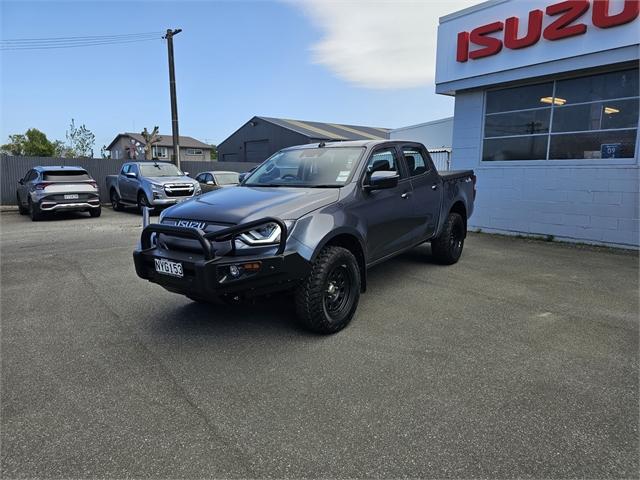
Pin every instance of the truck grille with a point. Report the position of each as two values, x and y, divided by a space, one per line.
178 190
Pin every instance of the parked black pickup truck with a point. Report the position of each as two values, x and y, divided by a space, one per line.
310 219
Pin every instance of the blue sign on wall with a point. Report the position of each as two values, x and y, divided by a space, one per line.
610 150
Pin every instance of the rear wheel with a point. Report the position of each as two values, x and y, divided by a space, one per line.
328 298
21 208
34 211
447 247
95 212
115 201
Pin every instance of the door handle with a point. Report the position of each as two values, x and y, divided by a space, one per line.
405 195
434 186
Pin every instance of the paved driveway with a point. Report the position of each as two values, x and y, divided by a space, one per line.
520 361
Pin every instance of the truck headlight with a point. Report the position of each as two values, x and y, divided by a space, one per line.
156 187
267 234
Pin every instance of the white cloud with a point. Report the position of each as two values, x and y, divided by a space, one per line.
379 44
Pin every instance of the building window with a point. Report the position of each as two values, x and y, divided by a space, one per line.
588 117
159 152
194 151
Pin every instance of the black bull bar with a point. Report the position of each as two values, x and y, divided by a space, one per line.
205 239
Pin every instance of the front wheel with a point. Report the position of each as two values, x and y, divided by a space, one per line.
143 201
447 247
328 298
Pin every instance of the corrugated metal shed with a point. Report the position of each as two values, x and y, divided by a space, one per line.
330 131
261 137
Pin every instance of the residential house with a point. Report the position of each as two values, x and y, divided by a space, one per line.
130 146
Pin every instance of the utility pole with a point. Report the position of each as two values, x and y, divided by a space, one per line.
172 89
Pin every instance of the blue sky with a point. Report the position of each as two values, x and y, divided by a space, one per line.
233 60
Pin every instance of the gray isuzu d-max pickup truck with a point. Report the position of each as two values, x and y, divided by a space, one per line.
310 219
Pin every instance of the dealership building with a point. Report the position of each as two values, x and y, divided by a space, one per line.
546 113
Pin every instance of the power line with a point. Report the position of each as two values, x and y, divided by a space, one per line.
72 42
92 37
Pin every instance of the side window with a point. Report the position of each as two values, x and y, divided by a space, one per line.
125 168
383 161
134 168
200 178
416 163
29 176
210 178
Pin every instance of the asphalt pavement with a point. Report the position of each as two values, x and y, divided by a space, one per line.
519 361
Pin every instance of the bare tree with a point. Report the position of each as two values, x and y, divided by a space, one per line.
150 139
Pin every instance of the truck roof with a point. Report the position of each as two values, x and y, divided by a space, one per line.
350 143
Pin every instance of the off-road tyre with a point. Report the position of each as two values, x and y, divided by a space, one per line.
447 247
115 201
317 307
95 212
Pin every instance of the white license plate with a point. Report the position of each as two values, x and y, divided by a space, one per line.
71 196
167 267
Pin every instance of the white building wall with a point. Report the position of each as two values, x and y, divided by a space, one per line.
592 203
433 135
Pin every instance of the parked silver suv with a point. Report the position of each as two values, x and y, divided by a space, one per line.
54 189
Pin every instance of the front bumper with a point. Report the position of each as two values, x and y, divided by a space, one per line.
208 276
165 202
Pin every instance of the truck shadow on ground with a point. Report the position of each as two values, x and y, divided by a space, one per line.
274 315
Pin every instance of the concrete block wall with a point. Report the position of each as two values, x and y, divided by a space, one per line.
589 201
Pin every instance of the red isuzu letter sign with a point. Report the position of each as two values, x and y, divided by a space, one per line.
565 24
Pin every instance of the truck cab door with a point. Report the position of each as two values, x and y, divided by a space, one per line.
128 185
427 189
387 212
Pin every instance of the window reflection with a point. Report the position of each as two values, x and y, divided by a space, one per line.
587 117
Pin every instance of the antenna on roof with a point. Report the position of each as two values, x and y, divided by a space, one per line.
321 144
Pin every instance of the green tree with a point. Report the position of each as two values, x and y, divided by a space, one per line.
214 152
80 141
33 143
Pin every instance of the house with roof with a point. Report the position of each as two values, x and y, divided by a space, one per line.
130 146
261 137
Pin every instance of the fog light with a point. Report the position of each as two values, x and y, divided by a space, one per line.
251 267
234 271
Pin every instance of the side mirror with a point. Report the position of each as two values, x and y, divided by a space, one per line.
130 175
21 181
382 180
186 174
210 182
